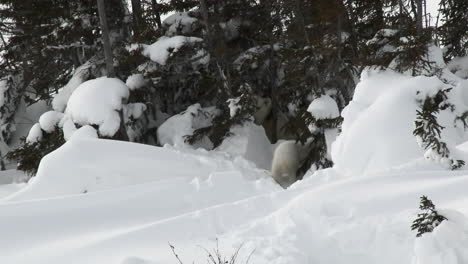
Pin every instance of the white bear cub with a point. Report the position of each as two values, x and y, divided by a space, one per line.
285 163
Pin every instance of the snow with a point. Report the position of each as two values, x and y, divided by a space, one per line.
134 110
137 198
447 244
234 107
135 81
179 21
85 132
250 142
103 201
35 134
68 128
97 102
175 129
324 107
49 120
164 47
377 132
459 66
60 100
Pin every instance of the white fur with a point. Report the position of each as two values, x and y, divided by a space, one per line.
285 163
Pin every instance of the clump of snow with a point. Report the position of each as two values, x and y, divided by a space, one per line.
50 120
84 132
446 244
79 76
179 23
68 128
35 134
136 81
134 110
459 66
97 102
324 107
175 129
234 107
164 47
377 132
250 142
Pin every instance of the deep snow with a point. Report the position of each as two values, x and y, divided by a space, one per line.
103 201
138 198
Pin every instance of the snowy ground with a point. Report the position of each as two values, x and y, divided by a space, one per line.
103 201
121 211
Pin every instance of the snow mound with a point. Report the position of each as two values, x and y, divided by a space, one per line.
459 66
377 132
84 132
447 244
175 129
164 47
324 107
250 142
123 164
97 102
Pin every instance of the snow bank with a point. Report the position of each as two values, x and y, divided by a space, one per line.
164 47
447 244
324 107
85 165
377 132
97 102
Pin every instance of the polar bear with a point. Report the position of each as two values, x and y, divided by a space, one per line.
263 109
287 160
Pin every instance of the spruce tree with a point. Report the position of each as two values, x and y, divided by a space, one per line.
428 219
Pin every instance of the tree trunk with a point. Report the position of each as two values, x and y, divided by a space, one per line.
106 40
204 11
301 20
156 11
137 17
419 14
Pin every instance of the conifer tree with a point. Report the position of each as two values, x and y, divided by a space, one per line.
428 219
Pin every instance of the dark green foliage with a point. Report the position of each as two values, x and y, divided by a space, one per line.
29 155
428 219
454 29
429 130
